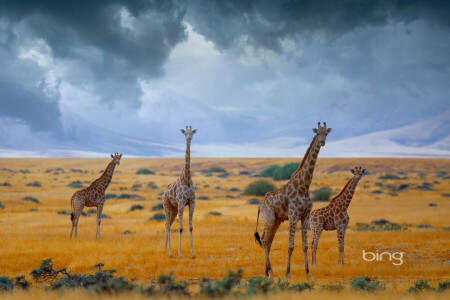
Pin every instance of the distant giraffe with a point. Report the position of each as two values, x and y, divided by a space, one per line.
291 202
334 216
179 194
93 195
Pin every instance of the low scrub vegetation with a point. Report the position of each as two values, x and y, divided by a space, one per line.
34 184
280 172
389 176
157 207
214 169
259 188
158 217
322 194
378 226
136 207
31 199
365 283
76 184
144 171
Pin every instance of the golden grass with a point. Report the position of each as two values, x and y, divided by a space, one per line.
223 242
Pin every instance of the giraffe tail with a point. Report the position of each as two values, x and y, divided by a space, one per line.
71 213
257 237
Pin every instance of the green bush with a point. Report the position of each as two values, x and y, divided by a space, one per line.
157 207
260 285
332 287
168 285
144 171
443 285
5 283
322 194
259 188
136 207
268 172
32 199
253 201
128 196
63 212
381 227
45 272
220 288
389 176
202 198
365 283
110 195
76 184
34 184
158 217
214 213
215 169
1 205
302 286
285 172
420 285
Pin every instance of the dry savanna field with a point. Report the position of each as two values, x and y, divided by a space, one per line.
35 225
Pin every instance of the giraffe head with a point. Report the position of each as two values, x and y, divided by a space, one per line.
188 133
322 132
358 172
116 158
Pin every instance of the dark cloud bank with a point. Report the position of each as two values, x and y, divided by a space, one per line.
109 46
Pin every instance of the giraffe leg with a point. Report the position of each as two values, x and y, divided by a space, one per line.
292 227
171 213
305 226
180 218
73 224
77 217
267 237
316 232
341 235
191 228
99 219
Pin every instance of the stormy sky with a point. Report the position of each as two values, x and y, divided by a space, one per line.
84 78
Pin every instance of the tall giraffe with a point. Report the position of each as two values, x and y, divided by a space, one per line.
291 202
334 216
178 194
93 195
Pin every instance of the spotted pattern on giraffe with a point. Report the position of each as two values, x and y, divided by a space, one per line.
291 202
93 196
180 194
334 216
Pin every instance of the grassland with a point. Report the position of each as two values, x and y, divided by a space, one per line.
133 244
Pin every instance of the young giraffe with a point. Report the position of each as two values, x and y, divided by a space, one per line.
291 202
93 195
179 194
334 216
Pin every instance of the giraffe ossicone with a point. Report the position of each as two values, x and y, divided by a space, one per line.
334 216
178 194
93 196
292 203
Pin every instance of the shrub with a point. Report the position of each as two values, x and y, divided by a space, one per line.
445 194
332 287
215 169
253 201
136 186
268 172
128 196
432 204
63 212
158 206
285 172
223 175
32 199
220 288
322 194
144 171
91 211
301 286
110 195
45 272
421 175
214 213
34 184
152 185
202 198
1 205
376 192
425 186
126 232
168 285
6 183
384 227
259 188
420 285
105 216
21 282
5 283
76 184
365 283
158 217
443 285
259 284
235 190
389 176
136 207
76 170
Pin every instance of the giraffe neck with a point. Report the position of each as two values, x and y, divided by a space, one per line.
106 177
346 195
303 176
186 174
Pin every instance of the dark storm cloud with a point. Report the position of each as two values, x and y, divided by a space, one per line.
234 24
116 42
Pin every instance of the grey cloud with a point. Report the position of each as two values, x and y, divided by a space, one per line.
234 24
126 40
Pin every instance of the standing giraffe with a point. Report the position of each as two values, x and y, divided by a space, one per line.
291 202
334 216
93 195
179 194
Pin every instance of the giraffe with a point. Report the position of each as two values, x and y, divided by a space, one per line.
178 194
93 195
334 216
291 202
